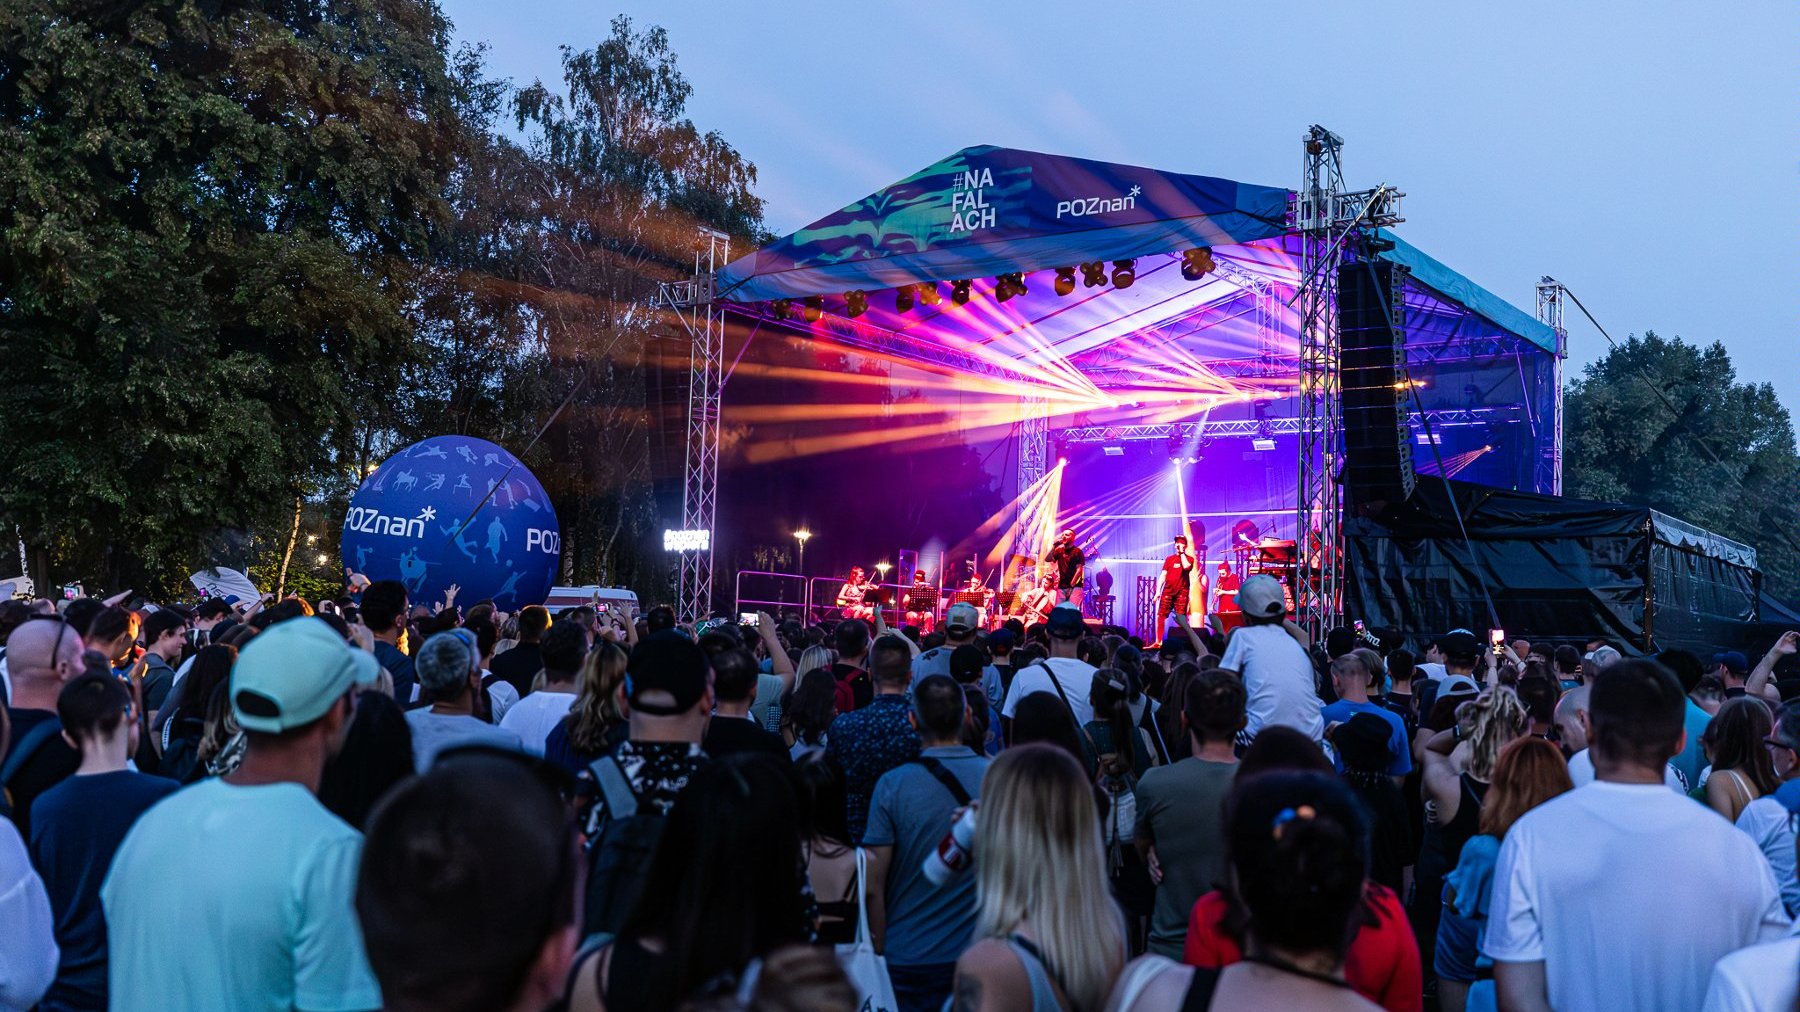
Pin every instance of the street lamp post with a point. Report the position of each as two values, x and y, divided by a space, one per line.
800 535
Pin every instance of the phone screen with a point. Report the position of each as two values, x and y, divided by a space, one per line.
747 618
1497 636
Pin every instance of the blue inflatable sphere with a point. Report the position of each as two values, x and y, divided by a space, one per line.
414 519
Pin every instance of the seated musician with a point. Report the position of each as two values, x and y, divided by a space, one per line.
850 599
1035 604
920 602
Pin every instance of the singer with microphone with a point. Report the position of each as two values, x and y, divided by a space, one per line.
1178 574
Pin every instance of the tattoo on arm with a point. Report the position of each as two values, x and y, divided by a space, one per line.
968 993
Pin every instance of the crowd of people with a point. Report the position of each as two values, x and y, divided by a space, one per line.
374 802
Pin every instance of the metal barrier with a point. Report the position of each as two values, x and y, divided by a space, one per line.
774 593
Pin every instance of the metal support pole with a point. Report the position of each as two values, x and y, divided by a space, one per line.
1550 294
691 303
1317 503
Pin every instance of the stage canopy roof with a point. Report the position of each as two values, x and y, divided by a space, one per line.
987 210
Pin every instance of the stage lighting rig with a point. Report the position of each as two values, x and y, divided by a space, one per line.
1093 275
813 307
903 299
928 293
856 303
1008 285
1197 263
1124 273
781 308
1065 281
959 292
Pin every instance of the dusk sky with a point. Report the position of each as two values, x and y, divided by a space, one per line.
1643 154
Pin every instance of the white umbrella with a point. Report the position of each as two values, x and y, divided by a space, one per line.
226 583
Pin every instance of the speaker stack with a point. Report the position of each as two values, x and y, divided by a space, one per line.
1378 465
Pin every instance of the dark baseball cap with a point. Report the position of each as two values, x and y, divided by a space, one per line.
1460 643
966 662
1001 639
1065 623
1340 641
667 662
1733 660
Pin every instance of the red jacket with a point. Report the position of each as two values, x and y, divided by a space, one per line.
1382 964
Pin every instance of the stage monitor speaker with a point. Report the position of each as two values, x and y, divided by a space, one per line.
1378 465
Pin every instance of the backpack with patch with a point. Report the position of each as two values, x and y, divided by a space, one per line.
1117 781
620 849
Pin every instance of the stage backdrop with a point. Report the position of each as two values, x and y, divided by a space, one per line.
411 521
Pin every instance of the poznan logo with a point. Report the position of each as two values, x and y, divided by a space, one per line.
1081 207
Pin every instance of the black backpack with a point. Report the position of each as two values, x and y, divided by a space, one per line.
619 850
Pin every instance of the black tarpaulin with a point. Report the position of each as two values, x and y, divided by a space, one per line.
1557 569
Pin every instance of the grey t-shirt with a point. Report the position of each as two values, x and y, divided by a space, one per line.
910 812
1179 808
434 732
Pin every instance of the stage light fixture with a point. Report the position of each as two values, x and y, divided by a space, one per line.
1008 285
1093 275
1065 281
1263 443
781 308
928 293
959 292
1124 273
1113 451
812 307
1197 263
856 303
903 299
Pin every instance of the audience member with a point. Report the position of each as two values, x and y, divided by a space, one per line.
1048 936
1556 938
922 927
533 717
519 665
42 655
253 857
597 723
448 927
873 739
384 610
449 675
1278 675
732 730
1180 809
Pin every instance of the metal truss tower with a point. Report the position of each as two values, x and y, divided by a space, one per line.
1550 311
1034 462
1325 216
690 302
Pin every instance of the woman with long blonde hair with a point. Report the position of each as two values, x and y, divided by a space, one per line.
595 723
1459 765
1048 937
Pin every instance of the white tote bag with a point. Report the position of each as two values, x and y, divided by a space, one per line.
864 966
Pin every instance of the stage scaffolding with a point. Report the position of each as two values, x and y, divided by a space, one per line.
690 302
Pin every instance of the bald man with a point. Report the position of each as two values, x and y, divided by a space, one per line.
41 655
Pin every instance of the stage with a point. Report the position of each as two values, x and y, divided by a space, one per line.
1129 353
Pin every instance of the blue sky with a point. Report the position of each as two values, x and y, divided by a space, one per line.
1644 154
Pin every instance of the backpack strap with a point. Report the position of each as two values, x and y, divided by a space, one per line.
945 777
1079 726
26 747
1200 992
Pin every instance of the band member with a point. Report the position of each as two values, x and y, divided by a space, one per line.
1227 589
984 602
1177 585
1071 568
850 599
920 602
1035 604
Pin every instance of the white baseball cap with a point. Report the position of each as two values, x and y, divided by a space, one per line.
291 673
1262 597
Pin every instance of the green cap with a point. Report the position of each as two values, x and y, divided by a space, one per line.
291 673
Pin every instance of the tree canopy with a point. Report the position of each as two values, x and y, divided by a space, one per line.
1718 453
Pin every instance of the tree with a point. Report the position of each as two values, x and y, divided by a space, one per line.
1724 457
209 220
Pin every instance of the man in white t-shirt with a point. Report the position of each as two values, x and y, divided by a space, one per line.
1074 678
1599 901
1267 652
449 673
1572 730
563 648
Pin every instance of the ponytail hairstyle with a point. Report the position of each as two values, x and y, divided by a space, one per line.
1297 844
1493 718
